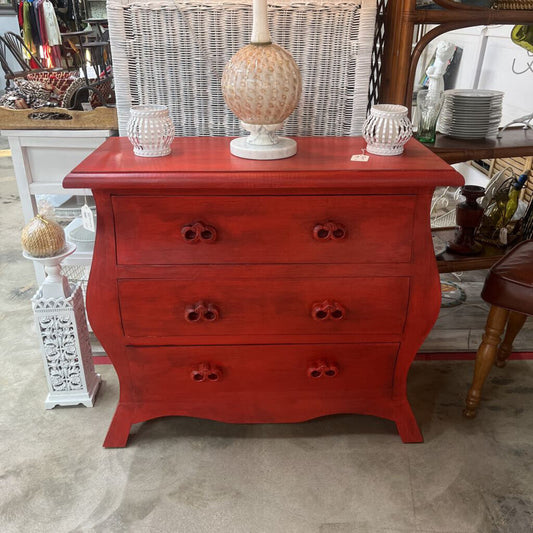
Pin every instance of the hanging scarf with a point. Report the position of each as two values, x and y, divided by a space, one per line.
26 27
51 24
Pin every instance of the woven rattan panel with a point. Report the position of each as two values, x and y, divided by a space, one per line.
173 53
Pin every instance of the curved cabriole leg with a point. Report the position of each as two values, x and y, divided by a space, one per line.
407 425
119 430
514 325
486 354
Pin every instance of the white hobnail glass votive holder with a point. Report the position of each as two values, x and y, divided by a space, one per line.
150 130
387 129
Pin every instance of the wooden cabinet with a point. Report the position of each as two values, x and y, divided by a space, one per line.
262 291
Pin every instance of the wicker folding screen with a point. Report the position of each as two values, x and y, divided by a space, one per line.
173 53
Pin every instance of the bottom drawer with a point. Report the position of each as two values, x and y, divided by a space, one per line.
193 374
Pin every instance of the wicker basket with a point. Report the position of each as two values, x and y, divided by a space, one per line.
173 53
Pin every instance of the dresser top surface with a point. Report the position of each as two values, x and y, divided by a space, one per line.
206 163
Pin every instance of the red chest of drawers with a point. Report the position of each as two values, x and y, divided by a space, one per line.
262 291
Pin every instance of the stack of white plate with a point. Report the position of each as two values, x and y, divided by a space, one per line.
471 113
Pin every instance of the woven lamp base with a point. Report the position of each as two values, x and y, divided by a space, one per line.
284 148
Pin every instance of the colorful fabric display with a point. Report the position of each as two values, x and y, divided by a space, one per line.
40 30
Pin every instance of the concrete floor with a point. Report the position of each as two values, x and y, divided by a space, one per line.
340 474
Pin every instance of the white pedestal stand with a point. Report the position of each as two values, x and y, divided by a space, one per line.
263 143
60 319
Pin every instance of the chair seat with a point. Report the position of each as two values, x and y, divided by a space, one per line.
510 280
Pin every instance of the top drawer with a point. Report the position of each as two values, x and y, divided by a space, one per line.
263 229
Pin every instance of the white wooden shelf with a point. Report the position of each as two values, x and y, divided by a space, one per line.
41 159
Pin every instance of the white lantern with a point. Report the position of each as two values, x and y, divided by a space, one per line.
387 129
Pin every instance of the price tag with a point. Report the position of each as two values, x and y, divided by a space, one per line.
87 218
360 157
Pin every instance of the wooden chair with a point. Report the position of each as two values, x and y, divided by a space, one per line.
6 64
14 44
20 51
509 289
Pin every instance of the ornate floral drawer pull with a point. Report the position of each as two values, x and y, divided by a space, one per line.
328 310
198 232
321 368
206 372
329 231
201 311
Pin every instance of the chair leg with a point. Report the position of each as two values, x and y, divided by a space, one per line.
514 325
486 354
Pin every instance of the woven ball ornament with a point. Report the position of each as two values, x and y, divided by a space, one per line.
43 237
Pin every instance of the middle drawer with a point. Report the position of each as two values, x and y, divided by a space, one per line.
312 306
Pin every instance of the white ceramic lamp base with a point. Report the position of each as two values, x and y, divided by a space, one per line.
283 148
263 143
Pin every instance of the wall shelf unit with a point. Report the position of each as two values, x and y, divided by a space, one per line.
401 55
515 142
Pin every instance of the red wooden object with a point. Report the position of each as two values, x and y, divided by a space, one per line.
262 291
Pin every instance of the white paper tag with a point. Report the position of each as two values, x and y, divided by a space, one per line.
87 218
86 106
360 157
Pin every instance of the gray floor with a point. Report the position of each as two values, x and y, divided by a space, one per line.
341 474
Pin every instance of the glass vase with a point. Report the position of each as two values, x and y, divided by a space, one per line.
428 106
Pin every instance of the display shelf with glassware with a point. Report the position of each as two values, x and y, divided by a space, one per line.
406 19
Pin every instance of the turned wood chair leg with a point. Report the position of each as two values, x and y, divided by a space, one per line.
514 325
485 357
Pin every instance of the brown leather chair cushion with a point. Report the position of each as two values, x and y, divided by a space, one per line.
510 280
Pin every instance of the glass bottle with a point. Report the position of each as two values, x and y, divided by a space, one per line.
512 200
498 208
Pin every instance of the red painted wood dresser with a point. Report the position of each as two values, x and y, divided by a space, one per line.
262 291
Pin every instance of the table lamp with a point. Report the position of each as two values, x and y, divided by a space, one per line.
262 84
